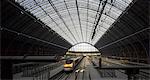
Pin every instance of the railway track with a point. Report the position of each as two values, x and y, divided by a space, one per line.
61 76
143 74
65 75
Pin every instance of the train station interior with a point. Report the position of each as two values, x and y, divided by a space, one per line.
75 40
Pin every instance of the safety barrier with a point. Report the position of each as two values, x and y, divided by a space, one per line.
39 70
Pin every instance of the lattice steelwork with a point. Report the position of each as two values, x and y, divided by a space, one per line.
77 20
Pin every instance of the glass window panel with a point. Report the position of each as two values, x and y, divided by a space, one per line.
121 4
115 10
43 11
103 29
127 1
57 1
106 26
109 21
114 16
95 2
91 6
81 4
60 7
71 3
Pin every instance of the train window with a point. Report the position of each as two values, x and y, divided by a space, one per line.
69 61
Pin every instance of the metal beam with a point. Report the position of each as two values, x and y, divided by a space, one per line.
31 16
79 19
52 20
31 37
87 19
99 19
57 12
124 38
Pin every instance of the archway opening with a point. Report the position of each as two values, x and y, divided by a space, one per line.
83 49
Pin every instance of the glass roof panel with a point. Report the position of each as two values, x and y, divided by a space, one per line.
75 21
83 47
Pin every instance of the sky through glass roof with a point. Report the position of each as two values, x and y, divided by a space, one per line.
83 47
77 20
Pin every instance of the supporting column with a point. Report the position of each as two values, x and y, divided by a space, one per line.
100 62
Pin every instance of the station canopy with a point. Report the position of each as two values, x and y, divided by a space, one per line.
77 20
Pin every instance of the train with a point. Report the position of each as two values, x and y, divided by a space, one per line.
70 64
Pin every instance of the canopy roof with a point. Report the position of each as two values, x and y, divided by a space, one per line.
121 30
77 20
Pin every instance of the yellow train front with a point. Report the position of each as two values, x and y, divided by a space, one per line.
69 65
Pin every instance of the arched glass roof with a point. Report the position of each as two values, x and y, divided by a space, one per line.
77 20
83 47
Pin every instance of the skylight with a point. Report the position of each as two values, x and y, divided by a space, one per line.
83 47
75 20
